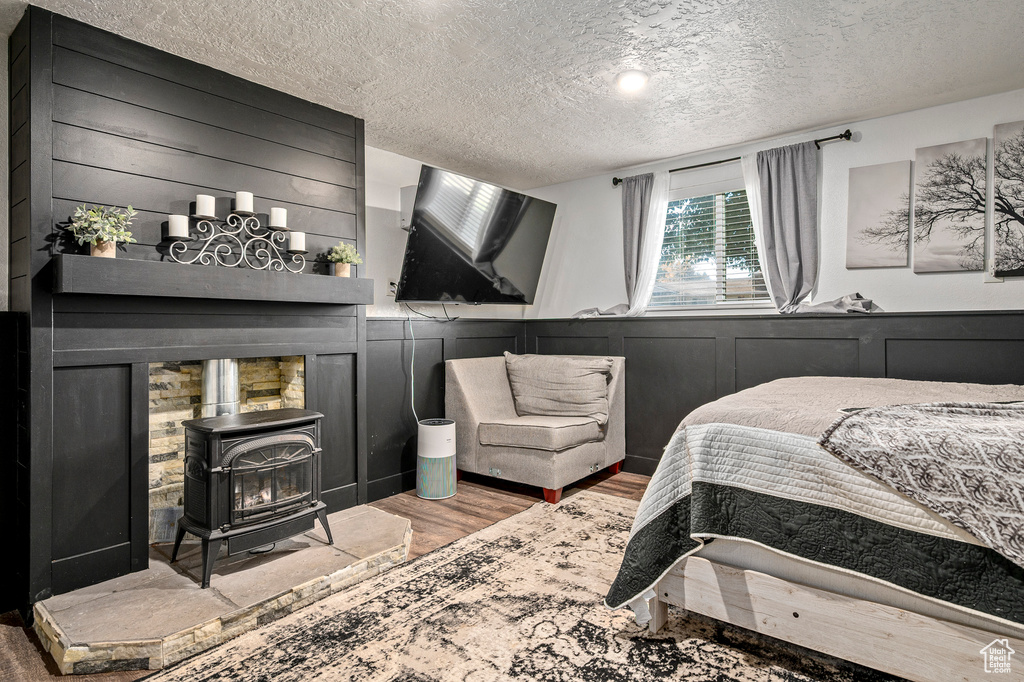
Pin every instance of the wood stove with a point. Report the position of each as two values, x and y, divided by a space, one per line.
251 480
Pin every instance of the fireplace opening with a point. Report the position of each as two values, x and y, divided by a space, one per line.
176 392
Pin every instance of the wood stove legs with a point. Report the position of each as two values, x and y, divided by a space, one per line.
322 515
211 548
177 542
212 543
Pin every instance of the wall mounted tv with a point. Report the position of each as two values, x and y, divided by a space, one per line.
473 242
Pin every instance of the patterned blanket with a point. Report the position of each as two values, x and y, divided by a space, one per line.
964 461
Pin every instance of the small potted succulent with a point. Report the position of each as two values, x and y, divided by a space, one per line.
102 228
344 256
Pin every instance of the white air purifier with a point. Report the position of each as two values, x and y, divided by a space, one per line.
435 459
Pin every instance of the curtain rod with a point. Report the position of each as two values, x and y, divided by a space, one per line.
846 135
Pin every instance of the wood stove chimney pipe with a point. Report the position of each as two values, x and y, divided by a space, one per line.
220 388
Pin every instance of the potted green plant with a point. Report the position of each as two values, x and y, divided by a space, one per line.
344 256
102 228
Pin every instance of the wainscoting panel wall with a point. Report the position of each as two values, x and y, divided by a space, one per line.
661 388
983 361
99 119
12 470
335 388
674 365
391 427
665 376
794 357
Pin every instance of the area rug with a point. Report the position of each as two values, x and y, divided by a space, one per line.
520 600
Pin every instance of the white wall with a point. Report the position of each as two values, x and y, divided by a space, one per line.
386 174
584 260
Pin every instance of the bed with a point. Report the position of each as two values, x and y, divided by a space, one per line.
749 520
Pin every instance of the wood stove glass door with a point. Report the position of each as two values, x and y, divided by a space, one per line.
271 479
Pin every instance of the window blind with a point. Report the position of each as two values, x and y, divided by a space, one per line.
708 256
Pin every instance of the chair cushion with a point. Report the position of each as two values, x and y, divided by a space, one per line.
553 434
559 386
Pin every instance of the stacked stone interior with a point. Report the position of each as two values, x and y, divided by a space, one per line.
174 395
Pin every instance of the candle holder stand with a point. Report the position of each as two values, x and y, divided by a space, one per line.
237 242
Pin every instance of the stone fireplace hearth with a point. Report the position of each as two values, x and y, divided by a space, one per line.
175 395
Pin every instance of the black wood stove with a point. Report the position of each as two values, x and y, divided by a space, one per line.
251 479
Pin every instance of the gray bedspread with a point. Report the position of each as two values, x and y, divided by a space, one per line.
748 467
807 405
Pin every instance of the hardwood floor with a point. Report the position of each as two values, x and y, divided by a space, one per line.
479 503
483 501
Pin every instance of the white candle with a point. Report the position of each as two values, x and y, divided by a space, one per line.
177 226
205 205
297 241
278 217
243 202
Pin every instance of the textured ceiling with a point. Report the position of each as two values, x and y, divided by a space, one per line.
521 92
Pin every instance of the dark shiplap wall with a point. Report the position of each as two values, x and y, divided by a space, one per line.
99 119
131 124
674 365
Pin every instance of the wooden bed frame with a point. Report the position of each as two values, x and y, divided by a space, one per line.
904 643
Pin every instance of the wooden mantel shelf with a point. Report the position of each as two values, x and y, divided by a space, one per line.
73 274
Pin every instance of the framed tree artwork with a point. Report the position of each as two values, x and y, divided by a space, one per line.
1008 198
949 207
878 216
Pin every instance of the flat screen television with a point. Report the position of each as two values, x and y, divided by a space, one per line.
473 242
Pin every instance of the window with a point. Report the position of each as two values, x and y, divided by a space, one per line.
708 256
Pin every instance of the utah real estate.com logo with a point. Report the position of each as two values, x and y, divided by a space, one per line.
997 656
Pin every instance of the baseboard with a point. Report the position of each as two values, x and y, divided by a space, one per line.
640 465
390 485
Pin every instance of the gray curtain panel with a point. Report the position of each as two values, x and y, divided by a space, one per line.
789 217
636 202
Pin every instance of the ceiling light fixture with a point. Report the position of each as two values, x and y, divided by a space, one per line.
631 81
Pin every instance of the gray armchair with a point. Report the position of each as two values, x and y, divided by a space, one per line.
546 451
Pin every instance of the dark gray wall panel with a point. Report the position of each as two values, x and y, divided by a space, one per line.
77 184
139 337
19 110
135 157
19 221
666 378
91 486
972 360
9 431
127 82
572 345
485 346
109 47
336 399
86 110
391 426
88 569
19 73
761 360
19 147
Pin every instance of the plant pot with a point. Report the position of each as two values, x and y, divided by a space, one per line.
103 249
342 269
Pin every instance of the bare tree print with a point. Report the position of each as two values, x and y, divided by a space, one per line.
951 196
1008 204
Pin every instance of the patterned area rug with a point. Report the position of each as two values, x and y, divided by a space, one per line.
520 600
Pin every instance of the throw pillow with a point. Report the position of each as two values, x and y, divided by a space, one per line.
560 386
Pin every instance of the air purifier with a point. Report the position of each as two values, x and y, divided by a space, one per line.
435 459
